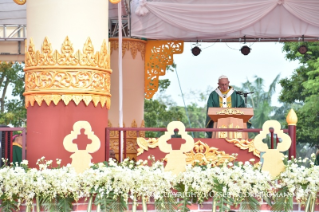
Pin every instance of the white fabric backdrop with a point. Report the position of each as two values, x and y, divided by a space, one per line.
203 19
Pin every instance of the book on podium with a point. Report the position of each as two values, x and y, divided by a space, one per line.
230 118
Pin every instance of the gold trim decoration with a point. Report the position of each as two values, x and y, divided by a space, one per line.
144 144
67 98
67 57
62 80
67 75
245 144
202 153
230 111
20 2
158 55
292 118
129 44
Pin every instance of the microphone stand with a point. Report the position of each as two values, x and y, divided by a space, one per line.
245 95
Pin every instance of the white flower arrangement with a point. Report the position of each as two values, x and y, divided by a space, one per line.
135 180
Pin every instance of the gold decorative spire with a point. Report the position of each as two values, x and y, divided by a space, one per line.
292 118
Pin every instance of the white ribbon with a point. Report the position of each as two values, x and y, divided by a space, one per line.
223 96
141 9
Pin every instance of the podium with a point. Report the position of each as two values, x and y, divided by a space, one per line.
230 118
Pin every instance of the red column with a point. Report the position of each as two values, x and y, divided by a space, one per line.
292 134
292 120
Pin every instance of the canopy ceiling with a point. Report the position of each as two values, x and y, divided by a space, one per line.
11 13
208 20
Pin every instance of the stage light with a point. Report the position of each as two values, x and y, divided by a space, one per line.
302 49
245 50
196 50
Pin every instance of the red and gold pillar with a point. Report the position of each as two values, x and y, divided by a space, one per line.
292 120
143 63
67 75
133 53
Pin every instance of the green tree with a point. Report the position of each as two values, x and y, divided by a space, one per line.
162 109
157 114
302 88
260 100
12 111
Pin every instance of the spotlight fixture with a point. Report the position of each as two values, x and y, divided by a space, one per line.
196 50
303 48
245 50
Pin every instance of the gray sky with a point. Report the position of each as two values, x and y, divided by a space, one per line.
265 60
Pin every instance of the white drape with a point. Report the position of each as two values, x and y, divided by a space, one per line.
230 19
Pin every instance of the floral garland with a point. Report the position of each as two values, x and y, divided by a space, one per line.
111 185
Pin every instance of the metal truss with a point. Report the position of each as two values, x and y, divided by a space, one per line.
12 32
253 40
126 22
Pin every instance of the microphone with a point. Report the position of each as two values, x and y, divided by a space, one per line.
244 94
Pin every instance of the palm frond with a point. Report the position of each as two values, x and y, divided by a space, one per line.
118 204
249 204
9 205
272 87
65 204
111 202
48 204
168 204
283 202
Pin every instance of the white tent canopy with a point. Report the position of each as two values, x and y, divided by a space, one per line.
207 20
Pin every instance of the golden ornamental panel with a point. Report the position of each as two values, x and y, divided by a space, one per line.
129 134
245 144
144 144
61 80
129 44
231 111
158 55
67 75
131 143
203 154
